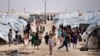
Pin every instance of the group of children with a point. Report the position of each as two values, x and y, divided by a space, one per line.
66 35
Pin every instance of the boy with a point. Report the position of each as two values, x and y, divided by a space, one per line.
65 43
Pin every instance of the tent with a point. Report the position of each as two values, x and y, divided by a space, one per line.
9 21
72 19
94 19
94 23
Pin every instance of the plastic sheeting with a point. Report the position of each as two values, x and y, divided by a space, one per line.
94 23
94 19
11 22
74 19
90 29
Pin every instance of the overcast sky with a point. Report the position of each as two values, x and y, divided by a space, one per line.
52 5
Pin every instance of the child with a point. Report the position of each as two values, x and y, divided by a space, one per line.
10 36
55 40
46 38
75 38
26 38
33 38
37 41
16 37
65 43
51 44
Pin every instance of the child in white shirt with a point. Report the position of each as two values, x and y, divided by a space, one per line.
51 44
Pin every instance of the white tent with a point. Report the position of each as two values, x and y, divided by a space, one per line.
94 23
72 19
94 19
11 22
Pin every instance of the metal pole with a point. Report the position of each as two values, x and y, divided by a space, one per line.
93 14
45 3
45 8
8 6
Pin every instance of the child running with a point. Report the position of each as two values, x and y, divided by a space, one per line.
65 43
51 44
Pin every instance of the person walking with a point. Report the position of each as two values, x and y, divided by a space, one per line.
59 33
74 39
37 40
46 38
10 36
28 28
16 37
53 29
33 38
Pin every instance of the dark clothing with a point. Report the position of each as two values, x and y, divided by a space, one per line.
74 39
46 39
33 39
65 43
36 37
16 36
37 41
53 29
66 39
18 39
10 37
80 39
64 34
28 28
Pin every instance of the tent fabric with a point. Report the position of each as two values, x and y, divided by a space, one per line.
74 19
94 24
90 29
94 19
9 21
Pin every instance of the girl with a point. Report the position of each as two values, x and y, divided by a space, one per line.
74 39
